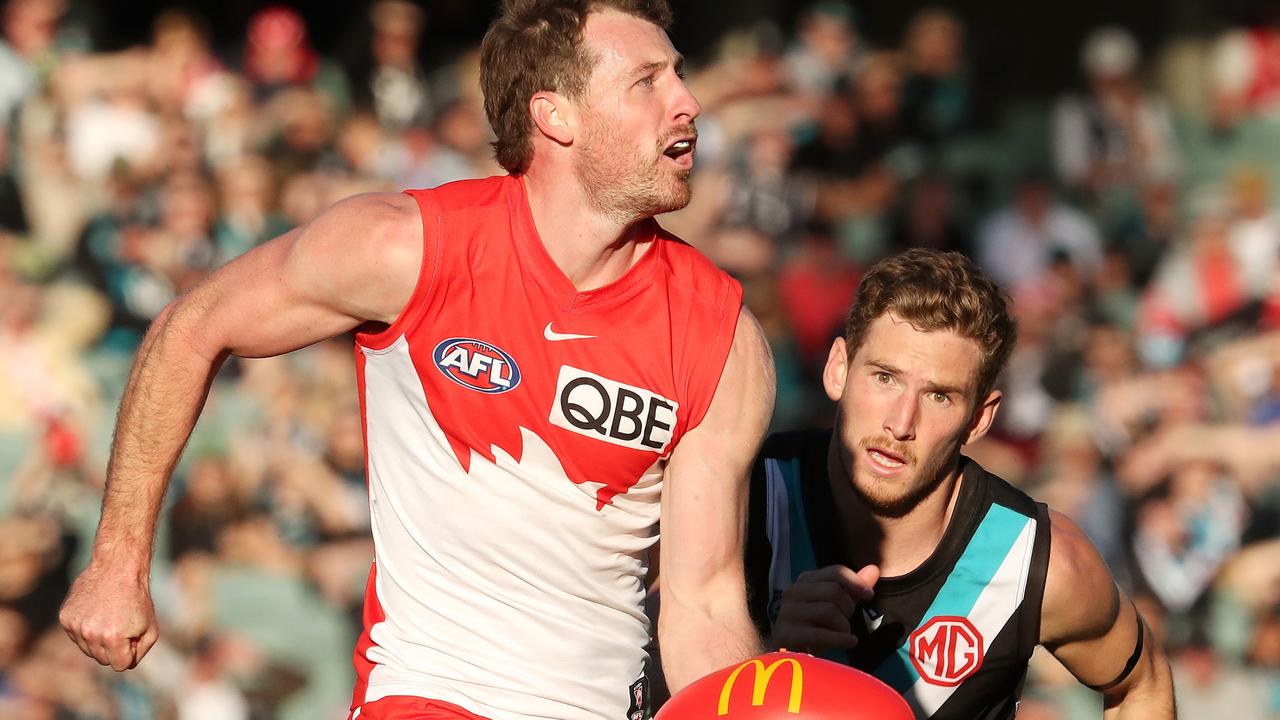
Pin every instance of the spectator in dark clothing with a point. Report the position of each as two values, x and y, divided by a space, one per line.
388 79
926 219
937 96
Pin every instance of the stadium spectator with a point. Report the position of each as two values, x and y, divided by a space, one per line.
1142 399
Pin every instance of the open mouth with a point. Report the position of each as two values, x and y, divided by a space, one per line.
680 147
885 460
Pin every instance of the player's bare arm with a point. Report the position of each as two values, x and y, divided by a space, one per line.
358 261
1093 629
703 624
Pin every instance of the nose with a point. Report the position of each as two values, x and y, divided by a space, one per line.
900 422
686 107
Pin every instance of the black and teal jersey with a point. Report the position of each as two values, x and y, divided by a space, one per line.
954 636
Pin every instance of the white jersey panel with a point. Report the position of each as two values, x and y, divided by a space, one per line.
505 591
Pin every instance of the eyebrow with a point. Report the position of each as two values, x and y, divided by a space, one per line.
652 67
929 386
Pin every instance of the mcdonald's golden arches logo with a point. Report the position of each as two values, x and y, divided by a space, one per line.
761 678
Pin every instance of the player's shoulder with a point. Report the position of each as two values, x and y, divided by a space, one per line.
470 194
374 208
689 268
1073 557
1001 492
384 223
1080 597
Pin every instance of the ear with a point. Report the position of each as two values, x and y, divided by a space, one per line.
836 371
983 417
553 115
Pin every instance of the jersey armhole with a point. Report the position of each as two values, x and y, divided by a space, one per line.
1039 572
705 379
757 549
429 214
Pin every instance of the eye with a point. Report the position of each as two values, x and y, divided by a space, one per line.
939 397
884 378
680 74
646 81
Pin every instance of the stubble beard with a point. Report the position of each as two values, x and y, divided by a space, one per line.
897 497
623 185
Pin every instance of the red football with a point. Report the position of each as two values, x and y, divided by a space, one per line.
787 686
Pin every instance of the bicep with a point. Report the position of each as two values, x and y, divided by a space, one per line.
354 263
705 490
1086 622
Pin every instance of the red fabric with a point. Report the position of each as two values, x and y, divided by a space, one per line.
487 276
816 293
1220 285
1264 90
664 330
373 615
1271 312
400 707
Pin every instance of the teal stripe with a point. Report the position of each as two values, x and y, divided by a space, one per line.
987 549
802 557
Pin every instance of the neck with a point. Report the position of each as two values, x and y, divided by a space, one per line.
897 544
591 248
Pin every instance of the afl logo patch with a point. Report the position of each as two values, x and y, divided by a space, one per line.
477 365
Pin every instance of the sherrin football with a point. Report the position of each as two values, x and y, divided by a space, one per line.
787 686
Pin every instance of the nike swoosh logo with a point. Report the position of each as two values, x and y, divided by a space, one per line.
871 620
554 336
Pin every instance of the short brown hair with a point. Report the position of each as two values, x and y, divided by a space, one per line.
937 291
536 45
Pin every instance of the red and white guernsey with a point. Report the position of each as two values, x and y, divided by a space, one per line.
516 432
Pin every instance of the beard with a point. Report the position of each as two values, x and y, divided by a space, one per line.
621 182
895 498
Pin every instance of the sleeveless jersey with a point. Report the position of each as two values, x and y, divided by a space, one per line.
953 636
516 433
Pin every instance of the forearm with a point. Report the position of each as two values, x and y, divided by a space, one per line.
698 639
166 390
1149 695
1154 702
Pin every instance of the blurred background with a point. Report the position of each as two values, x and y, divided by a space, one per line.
1115 166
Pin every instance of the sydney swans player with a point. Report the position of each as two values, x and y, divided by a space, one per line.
542 369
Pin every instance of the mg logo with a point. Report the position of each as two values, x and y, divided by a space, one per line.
947 650
760 677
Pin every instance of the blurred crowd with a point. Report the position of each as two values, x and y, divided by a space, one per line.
1132 220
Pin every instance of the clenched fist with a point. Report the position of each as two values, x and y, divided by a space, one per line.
109 614
816 610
